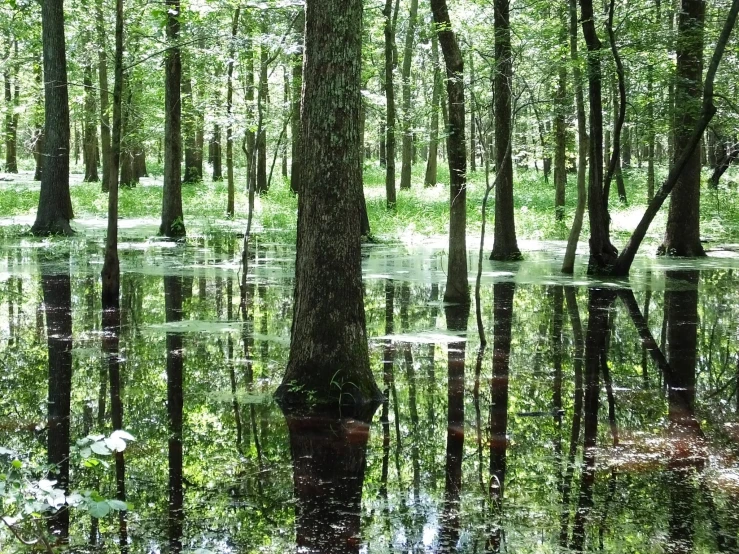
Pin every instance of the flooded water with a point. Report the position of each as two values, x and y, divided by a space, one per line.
601 416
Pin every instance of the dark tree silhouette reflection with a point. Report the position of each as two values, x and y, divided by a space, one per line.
329 454
56 286
173 290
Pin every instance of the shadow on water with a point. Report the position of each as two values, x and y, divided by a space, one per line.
603 418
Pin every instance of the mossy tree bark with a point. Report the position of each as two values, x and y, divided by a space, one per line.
55 205
173 224
329 357
505 244
457 286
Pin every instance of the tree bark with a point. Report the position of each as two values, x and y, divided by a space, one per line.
328 352
55 205
390 63
11 120
216 154
433 152
682 235
505 244
407 151
560 126
105 137
38 117
457 287
90 135
602 252
193 171
297 85
262 100
173 223
230 206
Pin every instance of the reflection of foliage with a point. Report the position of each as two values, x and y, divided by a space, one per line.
26 499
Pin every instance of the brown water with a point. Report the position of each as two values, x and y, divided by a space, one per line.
601 417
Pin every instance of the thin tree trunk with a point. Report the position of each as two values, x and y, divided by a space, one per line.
230 204
90 135
38 116
407 150
390 63
560 126
105 137
297 85
457 287
262 100
473 115
433 153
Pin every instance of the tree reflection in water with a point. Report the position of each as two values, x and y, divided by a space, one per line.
329 455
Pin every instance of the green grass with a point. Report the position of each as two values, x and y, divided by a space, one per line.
420 212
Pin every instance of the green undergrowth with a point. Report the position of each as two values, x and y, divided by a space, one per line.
418 213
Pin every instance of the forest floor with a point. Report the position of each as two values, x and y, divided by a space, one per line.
421 214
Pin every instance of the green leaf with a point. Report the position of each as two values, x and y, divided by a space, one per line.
100 448
118 505
99 509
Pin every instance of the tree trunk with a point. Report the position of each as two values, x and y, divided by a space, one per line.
262 100
651 134
55 204
457 287
433 154
216 154
38 117
390 62
602 252
11 125
90 135
682 235
560 125
230 206
105 137
297 85
193 172
473 125
505 245
407 151
173 223
328 352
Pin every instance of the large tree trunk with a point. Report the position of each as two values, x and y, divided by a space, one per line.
90 135
457 287
55 204
682 236
433 153
407 151
173 223
105 137
390 105
297 85
602 252
328 352
505 245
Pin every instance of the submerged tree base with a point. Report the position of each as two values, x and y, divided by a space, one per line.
58 226
314 387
